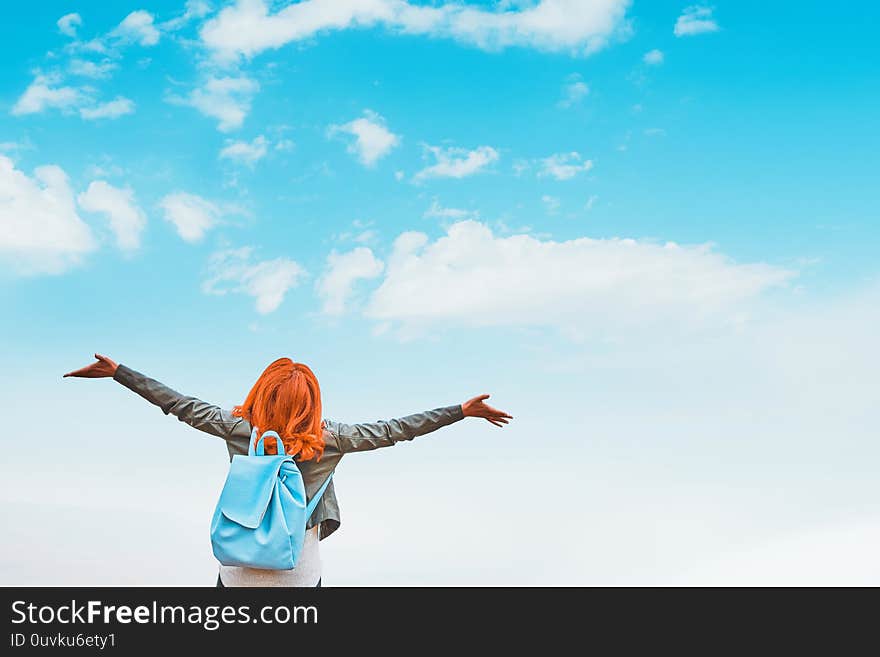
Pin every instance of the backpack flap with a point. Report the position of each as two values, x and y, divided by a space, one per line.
249 487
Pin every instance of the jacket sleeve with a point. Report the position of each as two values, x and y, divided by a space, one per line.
385 433
196 413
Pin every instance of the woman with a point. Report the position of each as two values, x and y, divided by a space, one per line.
287 399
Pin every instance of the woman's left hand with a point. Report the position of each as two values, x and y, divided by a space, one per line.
103 368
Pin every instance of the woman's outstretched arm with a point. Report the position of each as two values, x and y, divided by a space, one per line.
196 413
384 433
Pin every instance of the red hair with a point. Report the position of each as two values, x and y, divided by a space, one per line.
287 399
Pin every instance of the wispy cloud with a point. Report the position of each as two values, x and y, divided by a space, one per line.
136 29
110 110
573 92
360 232
227 99
15 146
238 271
551 203
194 9
245 152
457 162
89 69
696 19
438 211
564 166
653 57
43 93
46 92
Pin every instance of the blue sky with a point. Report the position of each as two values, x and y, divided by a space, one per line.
649 229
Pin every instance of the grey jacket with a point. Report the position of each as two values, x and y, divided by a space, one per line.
339 438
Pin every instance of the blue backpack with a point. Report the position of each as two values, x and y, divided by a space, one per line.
260 519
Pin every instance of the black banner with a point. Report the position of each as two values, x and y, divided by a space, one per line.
134 620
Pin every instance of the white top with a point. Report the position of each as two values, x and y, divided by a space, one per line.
306 574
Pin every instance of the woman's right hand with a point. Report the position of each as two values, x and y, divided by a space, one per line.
477 407
104 367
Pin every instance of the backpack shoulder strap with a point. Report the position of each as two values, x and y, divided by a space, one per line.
310 507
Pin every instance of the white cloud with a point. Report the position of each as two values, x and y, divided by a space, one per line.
197 9
127 220
193 9
113 109
579 286
40 231
247 28
655 132
15 146
68 23
104 168
89 69
227 99
96 45
574 91
653 57
42 95
191 215
372 139
285 145
591 202
247 152
438 211
343 270
366 236
361 233
564 166
695 20
457 162
138 27
235 270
